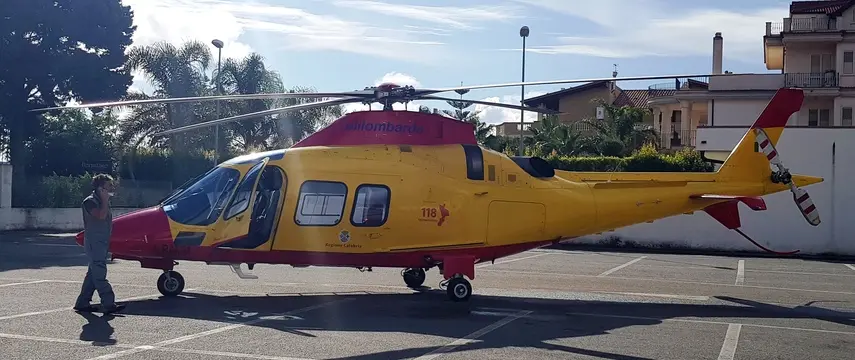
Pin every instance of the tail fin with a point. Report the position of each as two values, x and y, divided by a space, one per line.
747 161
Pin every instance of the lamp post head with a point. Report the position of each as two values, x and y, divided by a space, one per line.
218 43
524 31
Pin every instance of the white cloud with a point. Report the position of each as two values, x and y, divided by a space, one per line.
498 115
176 21
652 28
454 16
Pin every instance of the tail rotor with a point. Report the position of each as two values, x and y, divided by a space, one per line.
783 176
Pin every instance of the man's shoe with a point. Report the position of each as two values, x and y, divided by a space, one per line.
85 308
113 309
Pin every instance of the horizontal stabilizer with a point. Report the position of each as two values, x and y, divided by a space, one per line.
756 203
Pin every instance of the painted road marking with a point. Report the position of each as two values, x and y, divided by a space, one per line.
71 307
218 330
510 260
471 337
616 268
731 339
568 275
740 273
131 346
666 296
691 321
25 283
850 266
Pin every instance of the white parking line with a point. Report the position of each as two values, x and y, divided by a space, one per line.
131 346
510 260
569 275
850 266
218 330
740 272
731 339
616 268
7 317
25 283
471 337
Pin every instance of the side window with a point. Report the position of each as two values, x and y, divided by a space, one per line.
370 205
242 196
321 203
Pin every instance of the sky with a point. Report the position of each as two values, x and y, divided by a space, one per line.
343 45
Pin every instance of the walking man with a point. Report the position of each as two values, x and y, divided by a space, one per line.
97 226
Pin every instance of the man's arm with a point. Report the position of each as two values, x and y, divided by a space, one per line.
95 209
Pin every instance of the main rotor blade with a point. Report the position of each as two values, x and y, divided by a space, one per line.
555 82
489 103
212 98
262 113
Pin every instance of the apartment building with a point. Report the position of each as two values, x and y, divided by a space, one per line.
814 48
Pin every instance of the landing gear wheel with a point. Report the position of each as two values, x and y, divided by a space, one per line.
170 283
414 278
459 289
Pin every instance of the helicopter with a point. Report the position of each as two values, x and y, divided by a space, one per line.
415 191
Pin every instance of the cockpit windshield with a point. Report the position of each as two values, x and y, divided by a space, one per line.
202 202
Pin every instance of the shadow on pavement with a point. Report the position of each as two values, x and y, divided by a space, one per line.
430 313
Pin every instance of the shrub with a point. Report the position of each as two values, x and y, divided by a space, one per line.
645 159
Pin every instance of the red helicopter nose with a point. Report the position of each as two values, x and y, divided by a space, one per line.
135 231
138 232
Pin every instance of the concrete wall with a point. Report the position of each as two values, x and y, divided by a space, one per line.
781 226
63 219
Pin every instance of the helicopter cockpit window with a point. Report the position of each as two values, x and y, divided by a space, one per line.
203 201
244 192
321 203
371 206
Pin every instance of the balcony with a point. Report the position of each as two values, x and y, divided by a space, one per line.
670 88
801 25
829 79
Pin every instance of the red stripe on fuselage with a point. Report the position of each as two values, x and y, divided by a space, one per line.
405 259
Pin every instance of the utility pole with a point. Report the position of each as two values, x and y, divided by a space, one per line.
219 45
523 34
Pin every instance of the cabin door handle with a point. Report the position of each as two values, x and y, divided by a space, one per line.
481 193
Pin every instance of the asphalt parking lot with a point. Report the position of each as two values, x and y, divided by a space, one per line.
542 304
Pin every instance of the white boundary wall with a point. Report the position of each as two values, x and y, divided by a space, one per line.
781 227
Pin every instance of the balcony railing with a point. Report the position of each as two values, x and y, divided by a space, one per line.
680 137
829 79
801 25
669 88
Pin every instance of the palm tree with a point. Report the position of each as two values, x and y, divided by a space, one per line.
621 131
174 72
250 76
553 137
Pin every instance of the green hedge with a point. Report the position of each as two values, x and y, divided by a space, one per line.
646 159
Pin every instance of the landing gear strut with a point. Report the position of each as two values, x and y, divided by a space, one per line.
414 278
170 283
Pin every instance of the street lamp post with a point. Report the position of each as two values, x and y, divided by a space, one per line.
219 44
523 34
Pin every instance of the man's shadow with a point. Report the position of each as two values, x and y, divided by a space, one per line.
98 329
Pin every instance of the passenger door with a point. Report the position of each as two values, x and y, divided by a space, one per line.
233 228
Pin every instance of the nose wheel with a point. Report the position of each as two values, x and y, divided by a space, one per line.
170 283
457 288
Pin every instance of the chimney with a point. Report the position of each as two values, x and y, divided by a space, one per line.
716 54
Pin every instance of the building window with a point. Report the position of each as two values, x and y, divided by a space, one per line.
847 62
371 206
321 203
819 117
846 116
